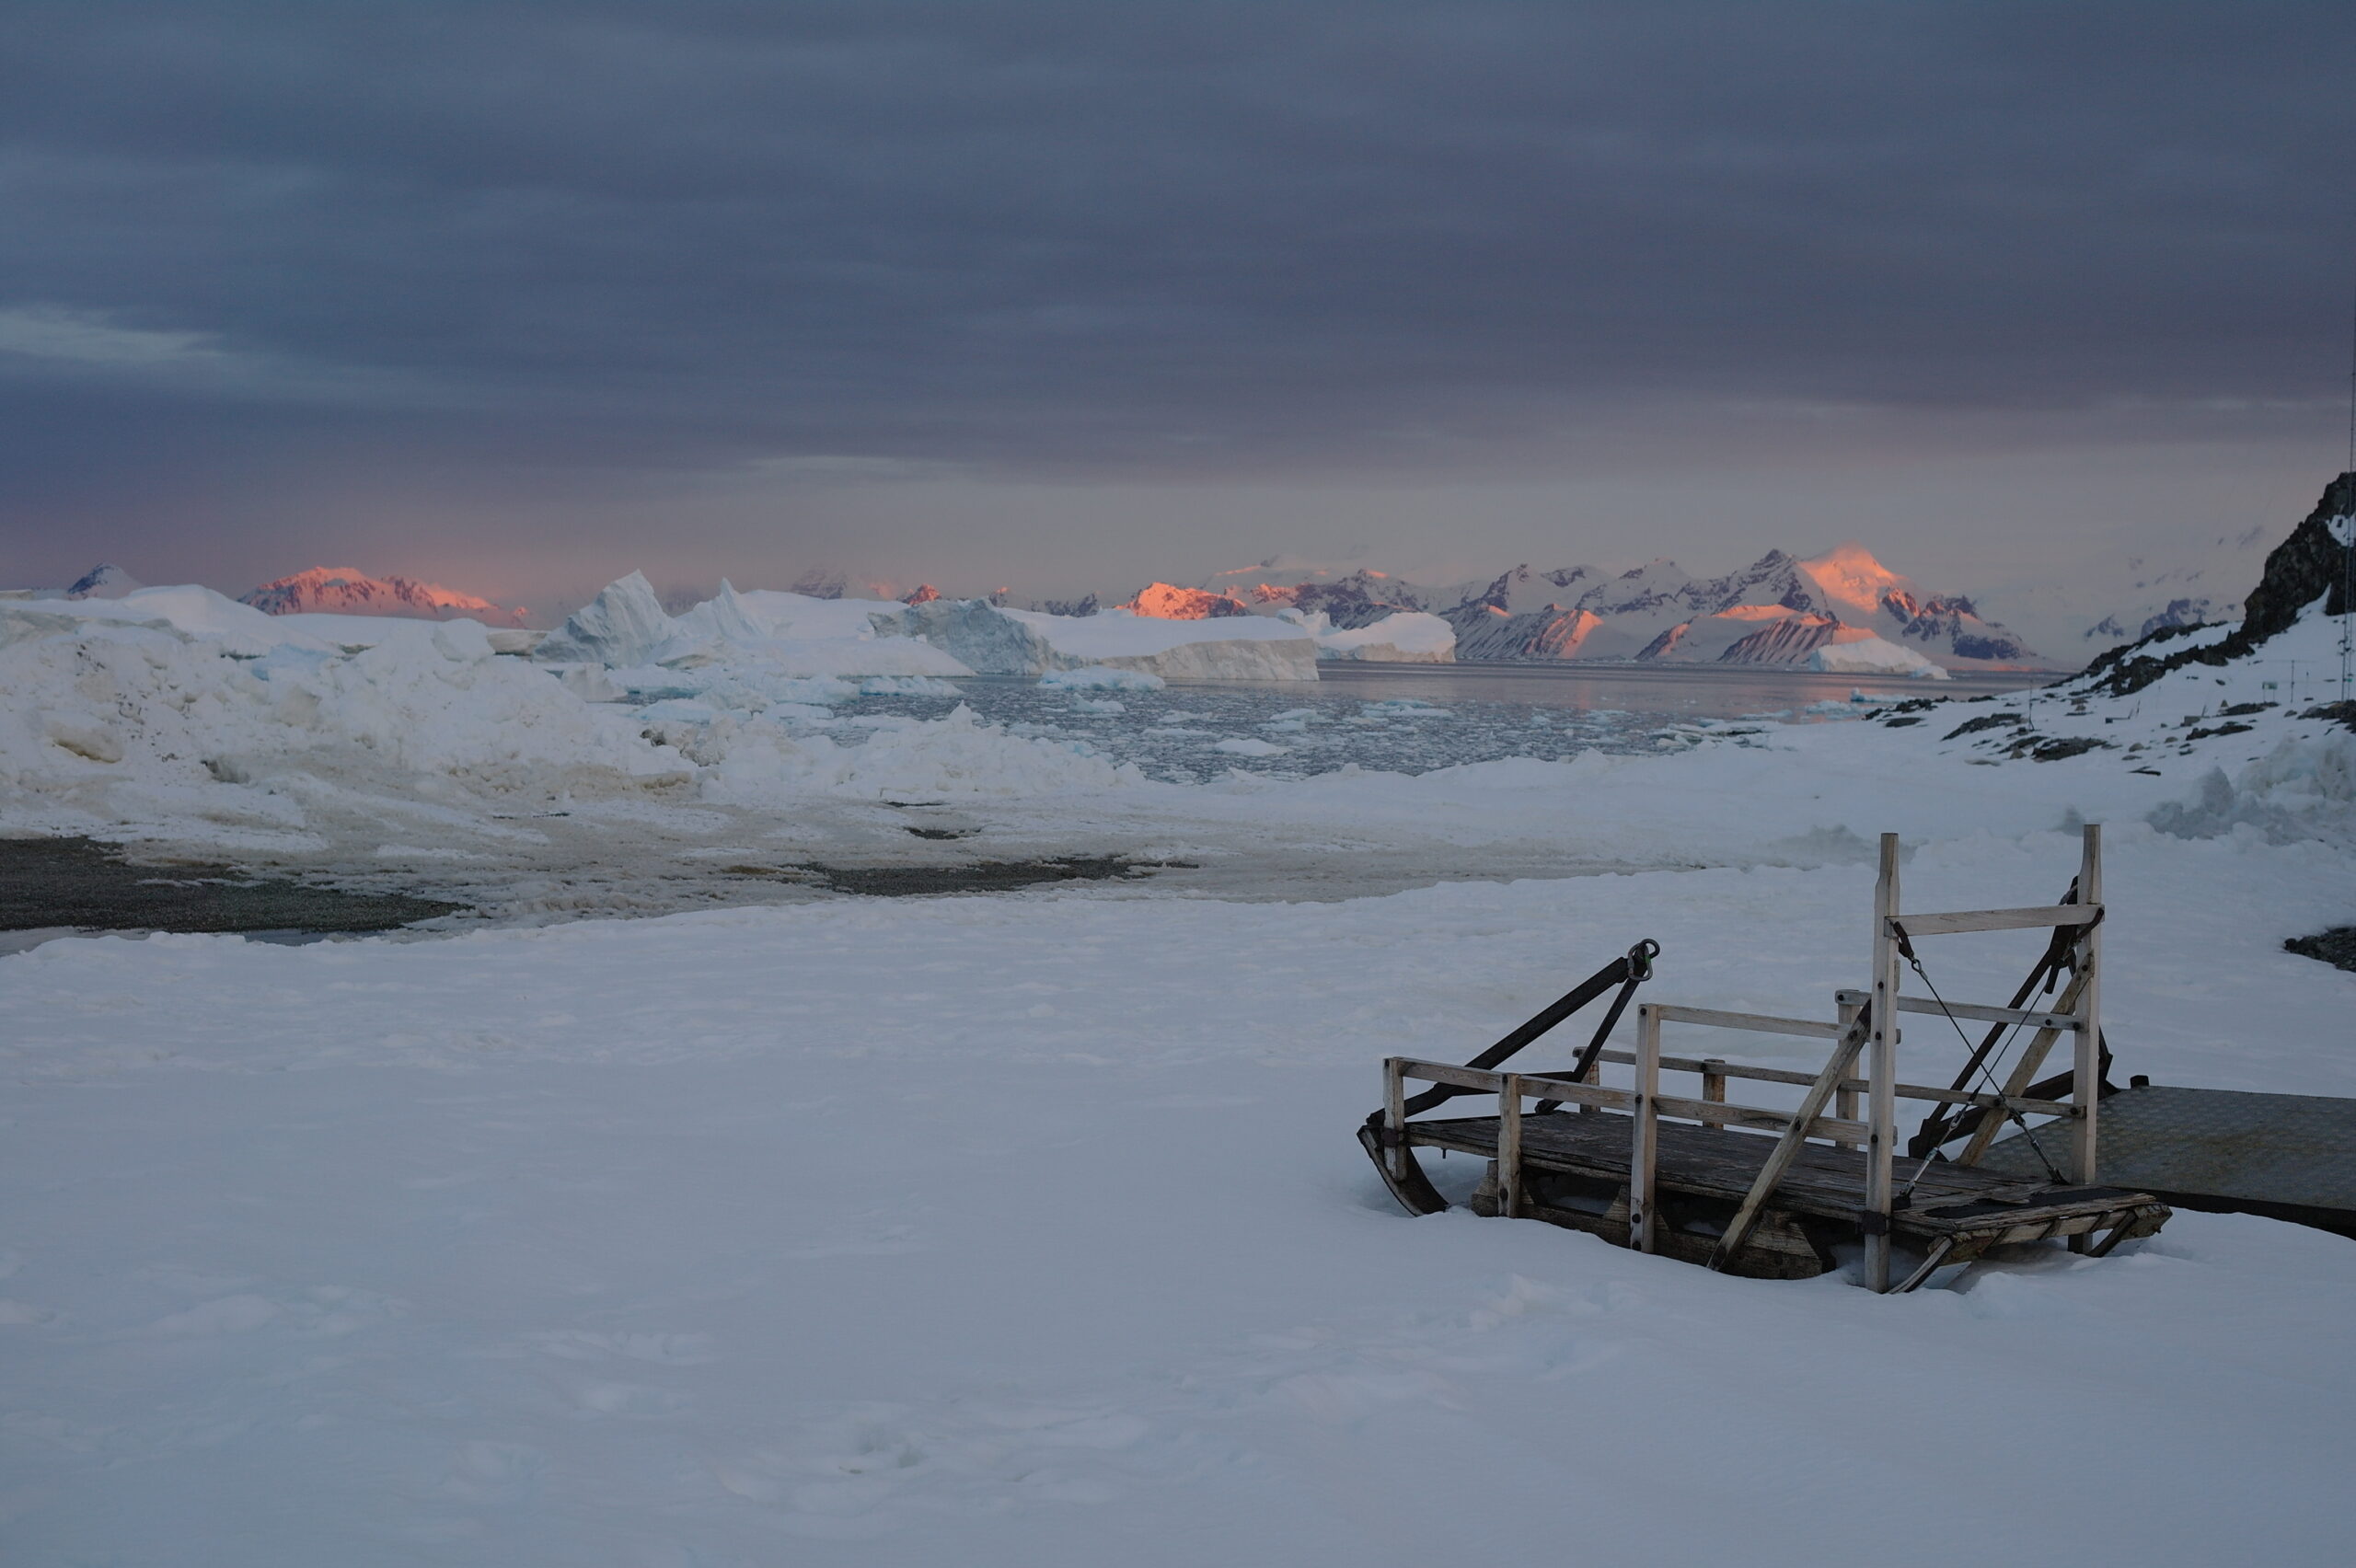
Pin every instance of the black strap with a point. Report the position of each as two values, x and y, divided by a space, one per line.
1585 1063
1628 971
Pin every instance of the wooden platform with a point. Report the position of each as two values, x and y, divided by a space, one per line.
1692 1177
1703 1174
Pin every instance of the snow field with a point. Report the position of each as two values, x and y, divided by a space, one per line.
1030 1230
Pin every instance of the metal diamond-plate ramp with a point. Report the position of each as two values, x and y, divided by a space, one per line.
2274 1148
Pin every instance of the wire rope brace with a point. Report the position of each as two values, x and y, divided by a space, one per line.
1979 1059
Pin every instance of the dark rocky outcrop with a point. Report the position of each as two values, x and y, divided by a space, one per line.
2309 565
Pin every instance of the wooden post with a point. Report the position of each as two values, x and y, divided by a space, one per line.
1787 1147
2085 1084
1881 1072
1394 1112
1646 1133
1844 1100
1713 1081
1510 1147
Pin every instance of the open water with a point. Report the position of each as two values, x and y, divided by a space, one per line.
1415 718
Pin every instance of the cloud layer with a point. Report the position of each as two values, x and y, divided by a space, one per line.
251 250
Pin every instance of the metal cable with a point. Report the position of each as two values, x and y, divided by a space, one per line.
2004 1105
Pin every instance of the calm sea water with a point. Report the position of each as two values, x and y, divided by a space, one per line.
1414 718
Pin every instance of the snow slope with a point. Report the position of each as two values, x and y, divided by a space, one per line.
1029 1231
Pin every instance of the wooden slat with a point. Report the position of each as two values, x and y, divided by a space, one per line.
1444 1072
1977 1012
1394 1115
1758 1023
1574 1093
2000 919
1644 1134
2025 1017
1717 1113
1510 1147
1845 1098
2085 1090
1881 1069
1851 1087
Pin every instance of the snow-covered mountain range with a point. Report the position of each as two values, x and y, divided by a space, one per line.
340 589
1778 610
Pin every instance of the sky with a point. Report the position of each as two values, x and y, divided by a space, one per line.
1067 296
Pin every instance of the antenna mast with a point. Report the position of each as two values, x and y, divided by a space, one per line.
2348 544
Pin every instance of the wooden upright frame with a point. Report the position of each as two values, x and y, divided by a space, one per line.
2080 1013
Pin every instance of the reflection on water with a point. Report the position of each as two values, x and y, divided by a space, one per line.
1411 719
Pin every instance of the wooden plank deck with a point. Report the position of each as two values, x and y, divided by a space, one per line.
1825 1182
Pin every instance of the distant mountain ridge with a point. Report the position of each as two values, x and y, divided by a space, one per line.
1778 610
340 589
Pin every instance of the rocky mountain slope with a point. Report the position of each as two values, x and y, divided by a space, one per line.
2306 574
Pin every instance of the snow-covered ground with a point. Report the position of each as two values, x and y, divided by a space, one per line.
1029 1229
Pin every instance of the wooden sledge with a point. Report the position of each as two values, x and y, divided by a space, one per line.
1693 1178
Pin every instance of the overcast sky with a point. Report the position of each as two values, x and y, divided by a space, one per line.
1063 296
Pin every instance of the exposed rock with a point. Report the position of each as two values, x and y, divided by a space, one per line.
105 581
1165 601
2309 566
340 589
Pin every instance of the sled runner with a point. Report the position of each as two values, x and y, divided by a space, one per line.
1694 1179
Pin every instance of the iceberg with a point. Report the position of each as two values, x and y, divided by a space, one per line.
1874 656
624 624
996 640
1405 637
